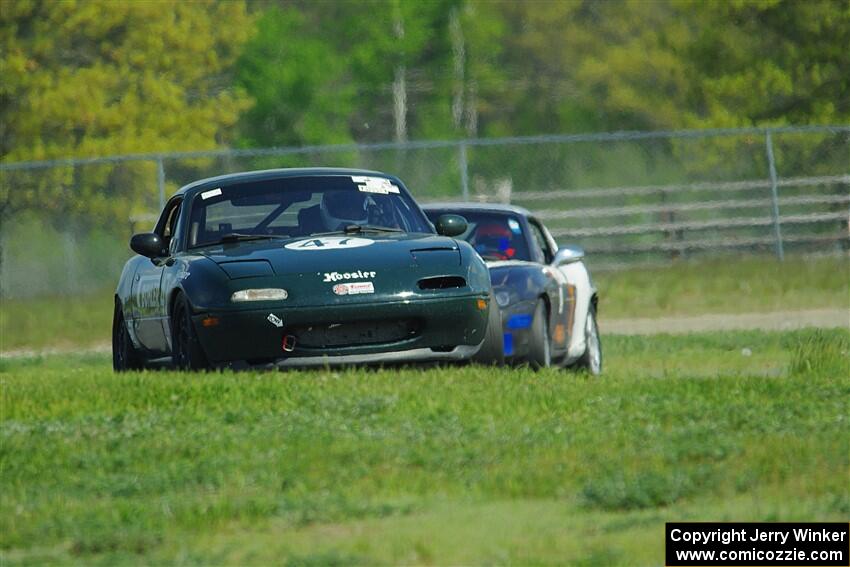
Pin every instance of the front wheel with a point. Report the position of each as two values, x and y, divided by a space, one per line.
492 352
124 354
186 351
591 360
540 350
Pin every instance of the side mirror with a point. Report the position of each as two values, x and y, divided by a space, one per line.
568 255
147 244
450 225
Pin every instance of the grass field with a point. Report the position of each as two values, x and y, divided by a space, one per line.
727 285
731 284
436 466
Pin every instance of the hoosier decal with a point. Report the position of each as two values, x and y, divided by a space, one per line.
337 276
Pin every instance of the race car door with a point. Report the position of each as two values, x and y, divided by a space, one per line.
151 311
562 313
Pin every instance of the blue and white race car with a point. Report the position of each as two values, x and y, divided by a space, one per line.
547 299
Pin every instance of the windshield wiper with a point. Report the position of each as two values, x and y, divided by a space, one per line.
358 228
372 228
237 237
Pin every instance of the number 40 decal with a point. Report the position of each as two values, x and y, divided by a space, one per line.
329 243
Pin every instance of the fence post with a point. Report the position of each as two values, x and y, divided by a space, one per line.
464 171
160 181
774 194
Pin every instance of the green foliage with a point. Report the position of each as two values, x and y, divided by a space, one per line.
527 68
822 353
476 68
322 72
297 82
616 490
95 78
770 62
681 64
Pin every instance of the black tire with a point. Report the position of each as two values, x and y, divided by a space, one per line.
186 351
540 349
124 354
492 352
591 360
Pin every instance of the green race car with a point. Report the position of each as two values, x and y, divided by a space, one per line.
302 267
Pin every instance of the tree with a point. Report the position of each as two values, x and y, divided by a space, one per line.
299 82
94 78
770 62
684 64
330 72
97 78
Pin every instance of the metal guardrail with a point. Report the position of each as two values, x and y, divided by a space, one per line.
731 186
774 204
596 212
707 244
700 225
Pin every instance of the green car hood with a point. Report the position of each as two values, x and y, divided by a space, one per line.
395 264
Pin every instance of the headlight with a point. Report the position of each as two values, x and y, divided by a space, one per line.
268 294
503 298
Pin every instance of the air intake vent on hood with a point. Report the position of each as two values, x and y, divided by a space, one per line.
247 269
436 258
442 282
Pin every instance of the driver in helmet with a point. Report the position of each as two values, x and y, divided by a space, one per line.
493 240
342 208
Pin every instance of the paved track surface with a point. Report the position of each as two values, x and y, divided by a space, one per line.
774 321
98 348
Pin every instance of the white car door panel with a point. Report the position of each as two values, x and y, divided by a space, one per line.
577 275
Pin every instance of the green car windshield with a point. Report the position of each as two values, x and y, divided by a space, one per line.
302 206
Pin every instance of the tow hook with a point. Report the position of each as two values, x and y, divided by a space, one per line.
289 343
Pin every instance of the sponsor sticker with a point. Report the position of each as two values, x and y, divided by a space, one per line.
329 243
275 320
339 276
378 185
211 193
514 226
354 288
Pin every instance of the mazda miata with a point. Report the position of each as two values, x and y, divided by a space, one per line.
545 293
302 267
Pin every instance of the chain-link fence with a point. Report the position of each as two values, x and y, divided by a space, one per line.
627 197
